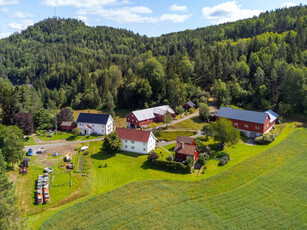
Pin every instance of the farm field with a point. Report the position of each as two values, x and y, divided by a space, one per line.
123 168
264 191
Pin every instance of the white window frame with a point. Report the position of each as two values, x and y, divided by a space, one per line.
236 124
257 127
246 125
132 147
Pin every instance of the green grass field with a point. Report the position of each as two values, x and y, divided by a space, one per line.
67 136
172 135
194 123
30 141
266 191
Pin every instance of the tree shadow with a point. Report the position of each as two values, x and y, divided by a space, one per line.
102 155
71 138
130 154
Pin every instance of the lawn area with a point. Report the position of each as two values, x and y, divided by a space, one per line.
123 168
194 123
266 191
172 135
67 136
29 141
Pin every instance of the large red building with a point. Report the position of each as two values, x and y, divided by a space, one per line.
142 117
251 123
185 147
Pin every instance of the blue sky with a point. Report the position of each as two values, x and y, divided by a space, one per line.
150 17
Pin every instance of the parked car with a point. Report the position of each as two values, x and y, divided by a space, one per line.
30 152
40 150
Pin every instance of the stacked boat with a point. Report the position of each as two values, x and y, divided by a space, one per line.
42 189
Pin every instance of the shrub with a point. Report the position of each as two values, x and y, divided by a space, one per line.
221 155
179 109
265 139
170 157
224 160
112 143
152 156
76 131
203 158
191 110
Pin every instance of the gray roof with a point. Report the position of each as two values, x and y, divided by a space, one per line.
243 115
146 114
273 115
190 103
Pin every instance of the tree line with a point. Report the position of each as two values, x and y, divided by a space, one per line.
257 63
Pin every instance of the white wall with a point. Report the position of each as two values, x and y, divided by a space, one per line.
100 129
138 146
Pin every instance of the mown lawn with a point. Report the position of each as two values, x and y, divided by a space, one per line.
266 191
172 135
67 136
194 123
123 168
29 141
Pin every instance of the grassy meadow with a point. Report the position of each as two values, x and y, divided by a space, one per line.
264 191
194 123
107 172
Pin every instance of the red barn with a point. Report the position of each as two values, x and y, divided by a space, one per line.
251 123
185 147
142 117
68 125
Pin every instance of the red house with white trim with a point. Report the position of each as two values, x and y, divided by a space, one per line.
185 147
142 117
251 123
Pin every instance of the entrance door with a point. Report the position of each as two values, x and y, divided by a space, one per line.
85 132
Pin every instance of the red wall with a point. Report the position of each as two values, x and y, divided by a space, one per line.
67 127
184 157
251 126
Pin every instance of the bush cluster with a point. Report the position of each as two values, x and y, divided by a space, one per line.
265 139
171 166
224 160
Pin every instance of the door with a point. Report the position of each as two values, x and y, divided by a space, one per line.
84 131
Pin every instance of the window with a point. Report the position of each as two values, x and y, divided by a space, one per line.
126 146
132 120
128 119
132 147
132 142
236 124
257 127
93 125
144 149
125 141
144 143
246 126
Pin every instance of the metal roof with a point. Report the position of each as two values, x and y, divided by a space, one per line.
190 103
133 134
93 118
146 114
243 115
273 115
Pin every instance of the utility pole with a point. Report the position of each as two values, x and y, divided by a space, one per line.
56 125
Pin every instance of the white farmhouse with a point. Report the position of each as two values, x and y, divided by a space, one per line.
137 141
90 123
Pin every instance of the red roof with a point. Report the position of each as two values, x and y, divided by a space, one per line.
186 150
133 134
88 127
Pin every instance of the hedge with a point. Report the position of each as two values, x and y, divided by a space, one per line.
171 166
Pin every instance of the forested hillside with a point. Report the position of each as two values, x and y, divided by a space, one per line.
255 63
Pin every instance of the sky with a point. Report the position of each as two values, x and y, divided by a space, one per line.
146 17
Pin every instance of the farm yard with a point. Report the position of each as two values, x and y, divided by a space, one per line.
106 172
277 174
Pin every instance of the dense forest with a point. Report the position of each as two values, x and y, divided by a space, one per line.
257 63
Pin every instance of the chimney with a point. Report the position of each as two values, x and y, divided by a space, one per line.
182 145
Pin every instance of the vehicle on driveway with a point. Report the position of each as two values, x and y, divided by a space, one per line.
48 170
30 152
40 150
